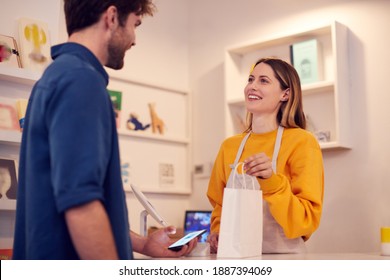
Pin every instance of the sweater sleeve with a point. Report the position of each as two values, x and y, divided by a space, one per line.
216 186
295 197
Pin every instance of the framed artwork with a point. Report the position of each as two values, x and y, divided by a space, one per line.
116 99
8 183
8 115
34 44
9 52
167 175
306 59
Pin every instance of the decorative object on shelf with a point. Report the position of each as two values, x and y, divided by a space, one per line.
125 173
133 123
8 116
6 254
322 136
157 123
306 58
21 107
8 183
385 241
34 44
116 99
9 52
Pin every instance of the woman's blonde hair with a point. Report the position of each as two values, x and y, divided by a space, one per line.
291 111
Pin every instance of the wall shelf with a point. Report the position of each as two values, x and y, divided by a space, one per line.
10 137
18 75
157 137
326 101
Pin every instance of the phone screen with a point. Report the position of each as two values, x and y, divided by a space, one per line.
184 240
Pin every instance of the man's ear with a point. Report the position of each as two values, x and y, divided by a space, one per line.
286 95
111 17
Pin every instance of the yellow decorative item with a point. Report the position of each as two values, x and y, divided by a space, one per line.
37 37
21 107
157 123
34 44
385 241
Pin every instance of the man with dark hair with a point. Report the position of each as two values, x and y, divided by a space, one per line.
71 203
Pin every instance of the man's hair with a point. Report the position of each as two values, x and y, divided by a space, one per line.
80 14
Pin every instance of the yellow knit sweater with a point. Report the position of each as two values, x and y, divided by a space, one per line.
294 194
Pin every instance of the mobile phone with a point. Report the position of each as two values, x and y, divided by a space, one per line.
184 240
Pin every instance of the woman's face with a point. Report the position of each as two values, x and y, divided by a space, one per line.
263 94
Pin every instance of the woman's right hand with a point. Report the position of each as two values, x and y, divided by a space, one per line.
213 240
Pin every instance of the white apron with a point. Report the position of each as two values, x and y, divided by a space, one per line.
274 239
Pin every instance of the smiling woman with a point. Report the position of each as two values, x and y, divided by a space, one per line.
285 158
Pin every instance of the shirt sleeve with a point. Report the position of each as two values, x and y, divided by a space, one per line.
79 124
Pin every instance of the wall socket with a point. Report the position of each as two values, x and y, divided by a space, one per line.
202 170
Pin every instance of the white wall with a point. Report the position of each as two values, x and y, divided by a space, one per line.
357 194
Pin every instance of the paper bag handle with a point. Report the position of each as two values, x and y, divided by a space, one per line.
242 174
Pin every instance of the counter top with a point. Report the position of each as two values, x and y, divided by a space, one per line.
305 256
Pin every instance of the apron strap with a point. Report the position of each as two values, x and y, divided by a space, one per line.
278 142
240 149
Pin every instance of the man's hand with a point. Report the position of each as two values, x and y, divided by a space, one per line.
157 243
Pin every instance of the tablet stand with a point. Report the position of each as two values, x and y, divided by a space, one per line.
143 222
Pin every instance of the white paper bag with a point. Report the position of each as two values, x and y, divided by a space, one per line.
241 230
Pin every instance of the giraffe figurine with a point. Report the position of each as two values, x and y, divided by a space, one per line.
156 123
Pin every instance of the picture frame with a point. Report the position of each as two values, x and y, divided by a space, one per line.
306 57
9 52
34 43
116 99
8 183
8 115
166 175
